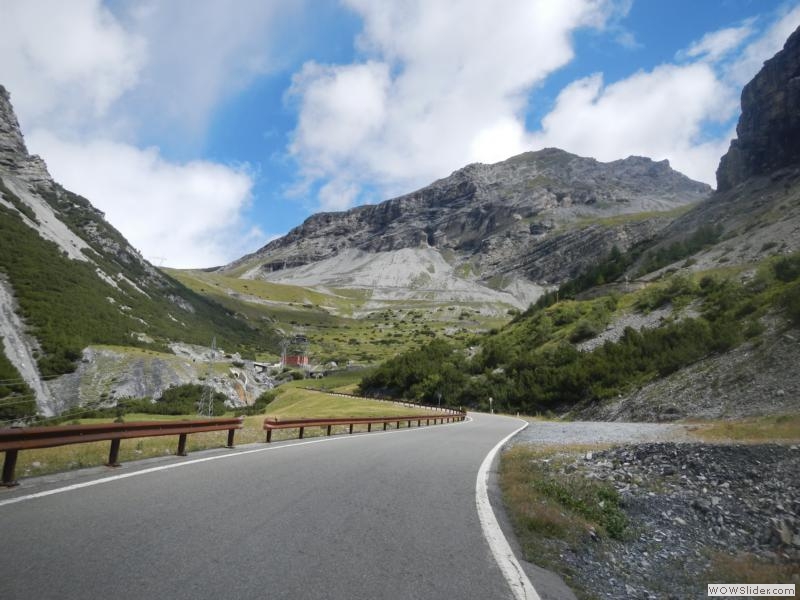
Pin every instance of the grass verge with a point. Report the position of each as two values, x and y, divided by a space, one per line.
552 509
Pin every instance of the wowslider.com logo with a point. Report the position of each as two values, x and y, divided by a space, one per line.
737 590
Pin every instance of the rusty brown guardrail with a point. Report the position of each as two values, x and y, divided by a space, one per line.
15 439
378 398
271 424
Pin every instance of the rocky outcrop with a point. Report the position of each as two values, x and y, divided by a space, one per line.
768 133
13 154
540 216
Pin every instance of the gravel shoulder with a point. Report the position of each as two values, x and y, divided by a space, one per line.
697 513
592 432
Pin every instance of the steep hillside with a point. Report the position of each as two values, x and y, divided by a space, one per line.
702 322
496 233
68 279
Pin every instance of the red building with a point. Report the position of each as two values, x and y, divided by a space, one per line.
296 360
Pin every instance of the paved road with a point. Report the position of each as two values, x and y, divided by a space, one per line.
364 516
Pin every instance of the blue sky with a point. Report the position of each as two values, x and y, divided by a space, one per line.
205 128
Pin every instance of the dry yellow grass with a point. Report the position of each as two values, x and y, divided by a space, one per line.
748 569
753 430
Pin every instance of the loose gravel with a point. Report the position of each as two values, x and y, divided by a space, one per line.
685 502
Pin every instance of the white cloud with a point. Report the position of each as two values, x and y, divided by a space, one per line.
764 47
445 83
658 114
188 214
204 51
338 194
343 105
65 62
663 113
715 45
102 75
431 97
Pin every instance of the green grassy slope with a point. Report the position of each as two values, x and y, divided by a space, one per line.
339 326
533 365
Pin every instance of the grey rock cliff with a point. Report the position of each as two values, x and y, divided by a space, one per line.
769 128
13 154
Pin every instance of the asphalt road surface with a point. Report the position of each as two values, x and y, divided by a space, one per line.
381 515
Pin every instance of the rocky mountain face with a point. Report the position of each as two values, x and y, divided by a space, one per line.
768 132
69 279
539 218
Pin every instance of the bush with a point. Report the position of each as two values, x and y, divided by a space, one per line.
260 405
585 330
787 269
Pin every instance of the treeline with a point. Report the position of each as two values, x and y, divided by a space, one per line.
532 366
613 266
703 237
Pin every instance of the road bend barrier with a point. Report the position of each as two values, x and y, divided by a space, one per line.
15 439
378 398
449 416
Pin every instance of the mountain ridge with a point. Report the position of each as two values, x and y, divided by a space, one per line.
495 225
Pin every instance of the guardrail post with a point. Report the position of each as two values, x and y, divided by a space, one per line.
369 427
329 429
181 445
113 453
398 424
384 426
230 437
269 435
301 433
351 428
9 466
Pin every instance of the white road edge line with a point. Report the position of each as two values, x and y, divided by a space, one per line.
520 585
78 486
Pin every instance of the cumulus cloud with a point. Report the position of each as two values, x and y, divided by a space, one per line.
663 113
657 114
203 52
749 62
429 97
87 81
66 62
184 215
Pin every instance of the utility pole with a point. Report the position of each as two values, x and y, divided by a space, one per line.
205 407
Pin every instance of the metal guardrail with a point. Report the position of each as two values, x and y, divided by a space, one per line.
270 424
380 399
15 439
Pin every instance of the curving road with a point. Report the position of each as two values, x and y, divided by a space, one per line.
382 515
